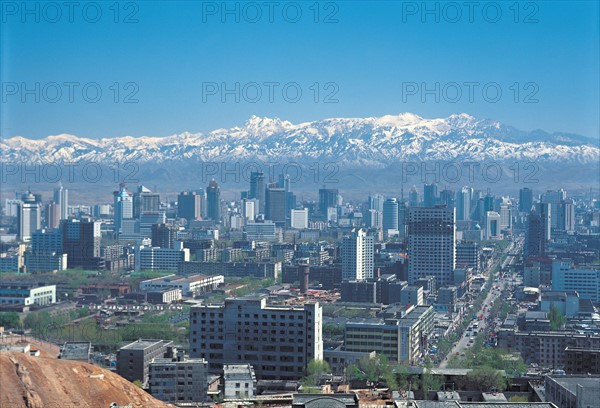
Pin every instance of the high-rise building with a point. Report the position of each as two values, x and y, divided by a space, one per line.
402 214
357 256
554 199
299 218
29 217
463 204
61 199
257 190
163 235
213 201
492 225
189 205
390 215
328 197
144 200
278 341
536 234
413 197
249 209
447 197
52 215
376 202
275 205
123 207
525 200
430 195
432 244
81 243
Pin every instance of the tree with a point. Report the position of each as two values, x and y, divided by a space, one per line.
138 383
373 370
429 381
557 319
10 320
485 379
314 371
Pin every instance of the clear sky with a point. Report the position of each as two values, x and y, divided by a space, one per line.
172 60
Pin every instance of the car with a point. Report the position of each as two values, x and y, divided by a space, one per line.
468 334
458 354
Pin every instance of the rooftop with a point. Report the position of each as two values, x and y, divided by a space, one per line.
143 344
76 351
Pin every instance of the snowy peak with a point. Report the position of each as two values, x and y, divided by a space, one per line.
373 141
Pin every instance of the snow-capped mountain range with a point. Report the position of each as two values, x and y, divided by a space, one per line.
373 142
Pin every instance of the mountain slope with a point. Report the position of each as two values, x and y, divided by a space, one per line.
373 142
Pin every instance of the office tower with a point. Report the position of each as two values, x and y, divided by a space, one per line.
447 198
402 214
213 201
29 217
123 207
189 205
376 202
390 215
525 199
257 190
463 204
81 243
488 203
144 200
275 205
535 237
357 256
492 225
432 244
373 219
47 241
163 236
328 198
299 218
566 216
554 199
249 207
546 213
61 199
286 340
505 216
52 215
430 195
413 197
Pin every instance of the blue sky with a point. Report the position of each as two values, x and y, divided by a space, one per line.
366 61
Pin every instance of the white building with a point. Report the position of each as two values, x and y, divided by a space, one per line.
492 225
357 256
26 294
239 381
162 259
189 285
261 231
299 219
585 281
28 217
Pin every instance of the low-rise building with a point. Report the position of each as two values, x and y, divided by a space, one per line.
26 294
178 379
239 381
189 285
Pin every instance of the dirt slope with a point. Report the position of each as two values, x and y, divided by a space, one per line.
40 382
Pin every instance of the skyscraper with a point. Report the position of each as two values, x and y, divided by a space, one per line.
29 217
276 205
525 200
213 201
402 214
376 202
554 199
432 244
390 215
123 207
81 243
357 256
328 197
430 195
144 200
413 197
189 205
447 198
162 236
61 199
257 189
463 204
535 241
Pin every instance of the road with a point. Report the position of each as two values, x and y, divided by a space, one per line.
497 288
